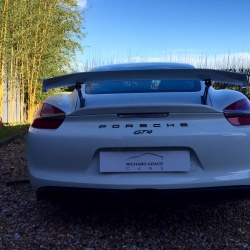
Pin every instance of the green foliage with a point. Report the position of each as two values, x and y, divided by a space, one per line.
38 39
8 130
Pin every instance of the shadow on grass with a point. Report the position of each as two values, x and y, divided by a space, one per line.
8 130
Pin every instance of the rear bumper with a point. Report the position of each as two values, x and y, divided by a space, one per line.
173 195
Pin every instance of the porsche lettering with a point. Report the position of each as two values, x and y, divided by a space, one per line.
157 125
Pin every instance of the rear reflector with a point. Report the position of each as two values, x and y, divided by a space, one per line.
238 113
48 117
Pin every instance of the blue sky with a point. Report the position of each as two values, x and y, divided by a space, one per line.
164 29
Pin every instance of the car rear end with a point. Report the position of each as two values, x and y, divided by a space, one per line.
139 140
75 154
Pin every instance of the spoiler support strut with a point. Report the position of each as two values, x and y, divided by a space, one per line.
78 88
204 97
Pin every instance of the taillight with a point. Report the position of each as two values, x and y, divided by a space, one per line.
238 113
48 117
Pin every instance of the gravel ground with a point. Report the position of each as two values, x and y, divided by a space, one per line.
26 223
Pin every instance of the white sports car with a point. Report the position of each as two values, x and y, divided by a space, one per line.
141 126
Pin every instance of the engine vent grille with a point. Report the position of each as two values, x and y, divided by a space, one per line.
143 115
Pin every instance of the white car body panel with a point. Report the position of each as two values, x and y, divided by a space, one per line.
66 101
69 156
82 168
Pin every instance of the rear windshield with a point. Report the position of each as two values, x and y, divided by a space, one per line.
142 86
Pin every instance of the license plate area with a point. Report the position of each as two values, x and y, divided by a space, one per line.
145 161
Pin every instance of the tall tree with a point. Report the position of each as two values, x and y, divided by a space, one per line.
37 38
3 48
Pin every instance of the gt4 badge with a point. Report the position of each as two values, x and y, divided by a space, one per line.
144 131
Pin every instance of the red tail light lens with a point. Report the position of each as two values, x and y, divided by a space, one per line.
48 117
238 113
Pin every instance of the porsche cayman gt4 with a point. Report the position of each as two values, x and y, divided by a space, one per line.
157 126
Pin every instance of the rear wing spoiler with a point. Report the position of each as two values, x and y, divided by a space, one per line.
163 74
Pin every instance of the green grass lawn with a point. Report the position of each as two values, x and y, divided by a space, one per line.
7 130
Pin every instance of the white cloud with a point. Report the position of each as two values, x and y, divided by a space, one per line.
82 3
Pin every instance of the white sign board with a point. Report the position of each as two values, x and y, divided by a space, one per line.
144 161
